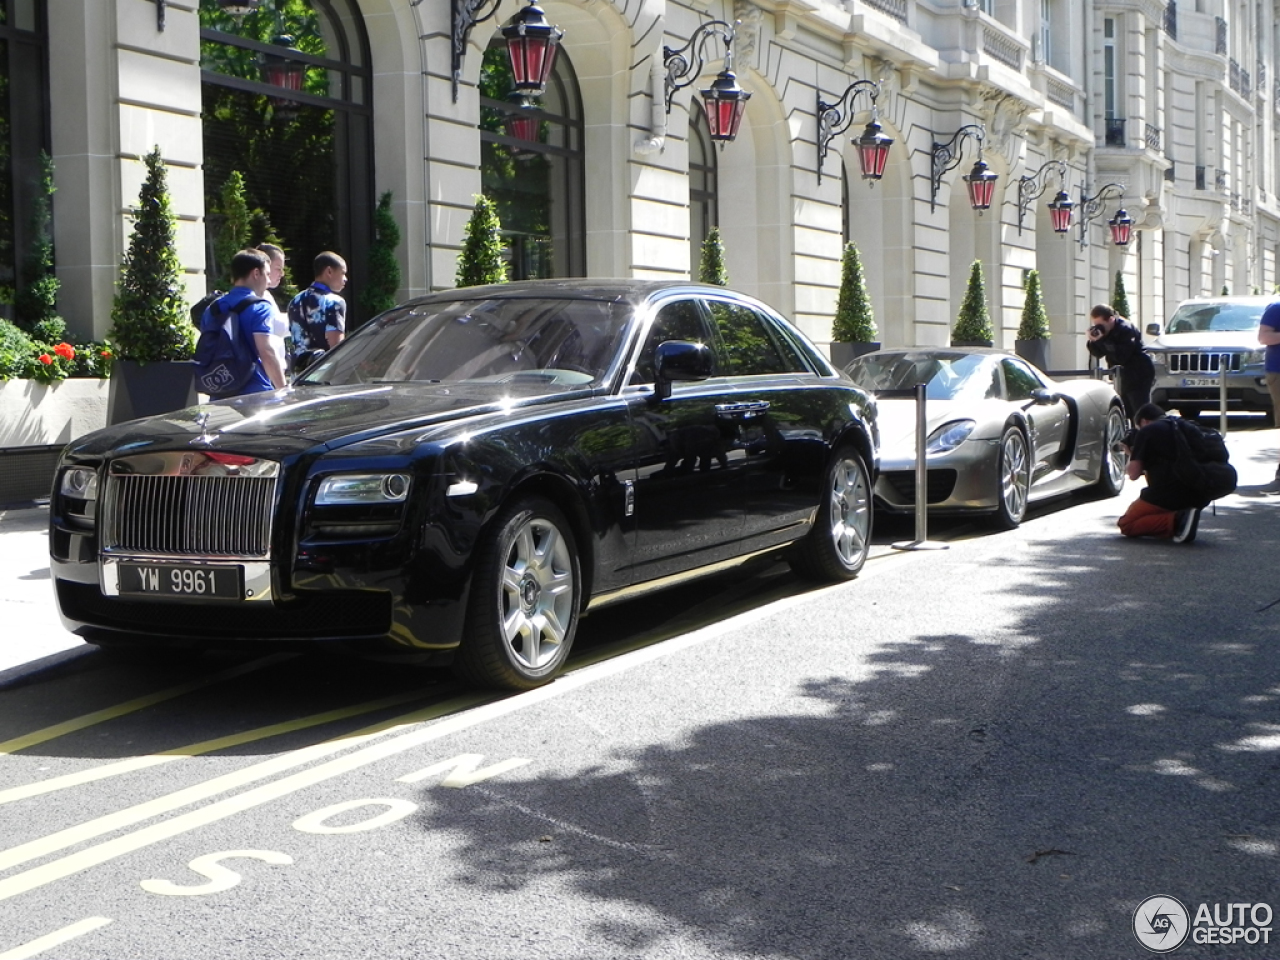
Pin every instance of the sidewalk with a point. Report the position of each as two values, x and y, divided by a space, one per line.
32 636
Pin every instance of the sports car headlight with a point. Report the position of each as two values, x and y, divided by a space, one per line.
80 483
366 488
949 436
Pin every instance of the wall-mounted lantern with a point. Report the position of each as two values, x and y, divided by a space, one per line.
1091 208
724 102
980 181
531 41
284 72
524 122
1032 187
238 8
835 118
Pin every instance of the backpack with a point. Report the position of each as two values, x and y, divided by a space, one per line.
1201 464
204 303
223 360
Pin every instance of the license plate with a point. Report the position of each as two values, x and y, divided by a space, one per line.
181 580
1199 381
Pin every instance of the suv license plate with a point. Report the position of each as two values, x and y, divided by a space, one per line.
181 580
1199 381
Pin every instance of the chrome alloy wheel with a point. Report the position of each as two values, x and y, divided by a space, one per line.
537 594
1015 476
850 512
1115 461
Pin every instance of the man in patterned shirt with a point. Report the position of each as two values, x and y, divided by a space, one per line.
318 316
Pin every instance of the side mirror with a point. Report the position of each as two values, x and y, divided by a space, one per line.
1153 329
680 360
1043 397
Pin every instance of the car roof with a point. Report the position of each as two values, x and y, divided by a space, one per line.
1250 300
622 289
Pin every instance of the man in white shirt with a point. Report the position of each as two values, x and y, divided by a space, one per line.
280 319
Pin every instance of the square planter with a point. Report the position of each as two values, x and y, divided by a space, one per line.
1035 352
146 389
36 421
843 353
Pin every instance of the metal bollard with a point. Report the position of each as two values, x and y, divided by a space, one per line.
921 542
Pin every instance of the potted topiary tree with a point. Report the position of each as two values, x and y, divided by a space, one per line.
1120 299
480 261
853 331
384 270
711 268
151 329
1032 342
973 325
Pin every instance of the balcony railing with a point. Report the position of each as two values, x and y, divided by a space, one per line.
1063 94
1261 74
894 8
1152 134
1220 48
1238 78
1000 47
1114 133
1171 19
1201 179
1220 179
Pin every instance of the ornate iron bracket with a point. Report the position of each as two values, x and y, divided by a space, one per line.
464 15
681 72
835 118
947 155
1032 187
1091 207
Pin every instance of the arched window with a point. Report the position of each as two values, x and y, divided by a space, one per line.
24 131
704 212
531 168
287 104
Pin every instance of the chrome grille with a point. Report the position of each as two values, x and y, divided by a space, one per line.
1202 362
189 504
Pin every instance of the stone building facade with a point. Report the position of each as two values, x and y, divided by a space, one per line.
1171 106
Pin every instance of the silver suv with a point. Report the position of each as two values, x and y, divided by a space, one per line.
1203 338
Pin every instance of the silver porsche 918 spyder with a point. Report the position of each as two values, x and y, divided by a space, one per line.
1000 434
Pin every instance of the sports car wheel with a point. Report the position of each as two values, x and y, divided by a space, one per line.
1114 460
1014 476
525 597
837 546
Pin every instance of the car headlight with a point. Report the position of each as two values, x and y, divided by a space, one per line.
81 483
1250 357
365 488
949 436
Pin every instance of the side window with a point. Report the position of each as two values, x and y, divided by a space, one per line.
681 320
749 344
1019 381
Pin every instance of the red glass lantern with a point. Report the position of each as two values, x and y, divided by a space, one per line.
1060 212
981 183
523 124
1121 228
873 151
285 73
531 44
724 103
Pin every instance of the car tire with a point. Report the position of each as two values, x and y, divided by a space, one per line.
1111 473
526 591
1190 411
1013 479
837 546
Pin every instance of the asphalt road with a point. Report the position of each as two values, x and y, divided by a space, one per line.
995 750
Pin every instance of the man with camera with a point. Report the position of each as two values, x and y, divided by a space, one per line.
1118 341
1165 508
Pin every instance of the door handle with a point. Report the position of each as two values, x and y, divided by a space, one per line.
748 408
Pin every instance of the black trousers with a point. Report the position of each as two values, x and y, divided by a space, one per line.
1134 388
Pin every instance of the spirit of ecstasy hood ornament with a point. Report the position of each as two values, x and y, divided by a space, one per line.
205 438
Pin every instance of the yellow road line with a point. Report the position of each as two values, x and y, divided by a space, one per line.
129 765
62 839
132 706
55 939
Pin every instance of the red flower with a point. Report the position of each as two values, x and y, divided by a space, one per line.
45 359
65 350
106 353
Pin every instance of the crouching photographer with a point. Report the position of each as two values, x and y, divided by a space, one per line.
1186 468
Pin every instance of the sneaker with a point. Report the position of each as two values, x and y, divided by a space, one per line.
1273 486
1185 523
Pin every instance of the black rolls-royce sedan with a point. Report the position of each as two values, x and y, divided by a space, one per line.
468 474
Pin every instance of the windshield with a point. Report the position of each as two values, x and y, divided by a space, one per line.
949 376
1203 317
535 340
